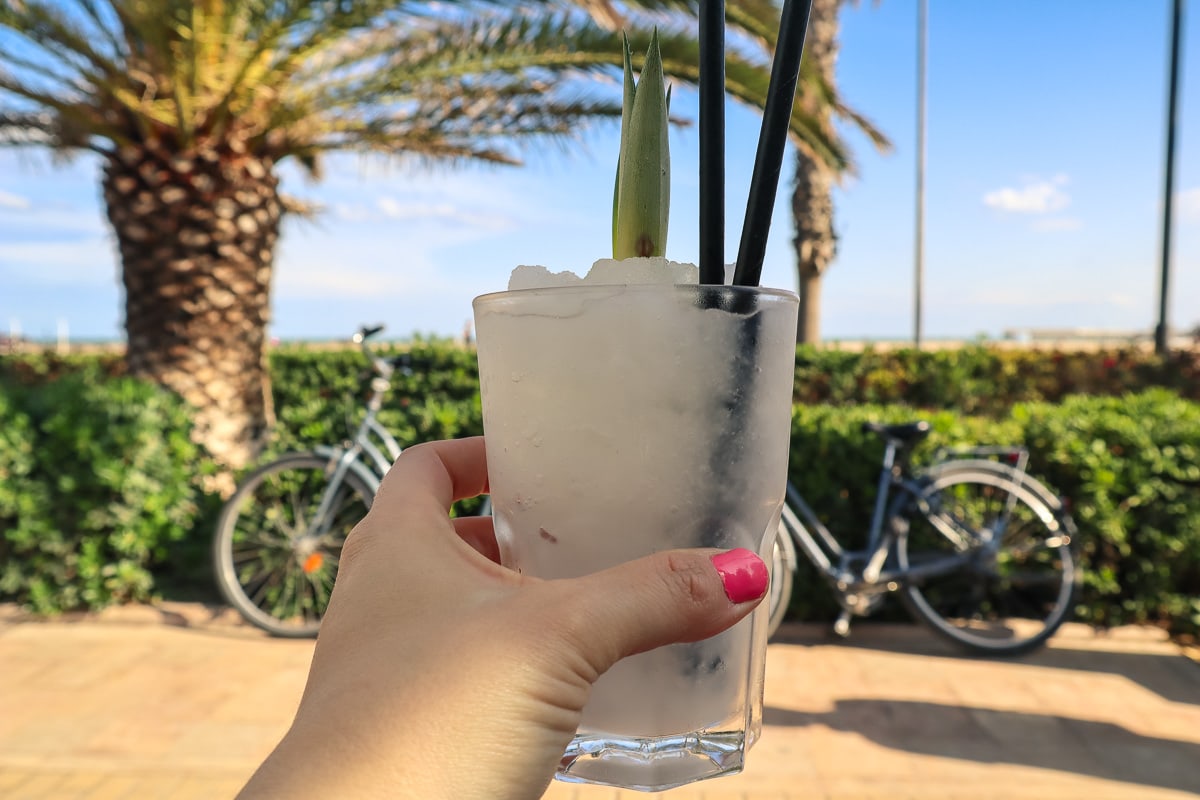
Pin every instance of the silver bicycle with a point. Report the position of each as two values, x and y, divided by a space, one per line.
279 536
976 548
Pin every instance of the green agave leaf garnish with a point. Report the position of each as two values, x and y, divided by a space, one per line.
642 191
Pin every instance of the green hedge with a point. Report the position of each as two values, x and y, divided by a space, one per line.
977 379
1129 467
986 380
98 476
101 489
319 395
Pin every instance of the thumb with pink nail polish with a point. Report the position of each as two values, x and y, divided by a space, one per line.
743 574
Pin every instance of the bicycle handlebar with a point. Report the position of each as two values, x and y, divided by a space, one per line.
384 366
366 332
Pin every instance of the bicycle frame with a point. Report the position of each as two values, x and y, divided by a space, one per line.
380 456
835 562
1013 458
276 555
371 440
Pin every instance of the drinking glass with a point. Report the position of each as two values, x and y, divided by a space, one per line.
625 420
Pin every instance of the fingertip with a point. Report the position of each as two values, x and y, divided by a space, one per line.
449 470
671 597
743 574
480 534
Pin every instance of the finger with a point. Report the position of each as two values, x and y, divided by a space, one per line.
480 534
446 470
676 596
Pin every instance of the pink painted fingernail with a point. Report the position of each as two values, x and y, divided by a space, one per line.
743 574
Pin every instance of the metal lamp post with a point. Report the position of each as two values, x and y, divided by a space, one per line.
919 233
1161 330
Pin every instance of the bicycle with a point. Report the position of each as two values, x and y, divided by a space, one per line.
976 549
279 536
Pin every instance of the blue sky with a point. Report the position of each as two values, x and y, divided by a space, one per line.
1046 133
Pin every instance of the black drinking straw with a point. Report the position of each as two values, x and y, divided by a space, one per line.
772 137
712 141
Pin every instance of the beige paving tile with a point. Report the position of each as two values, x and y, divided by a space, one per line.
195 787
34 787
81 781
11 778
117 787
138 709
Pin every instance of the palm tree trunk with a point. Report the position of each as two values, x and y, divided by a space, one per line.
197 234
808 326
815 242
812 197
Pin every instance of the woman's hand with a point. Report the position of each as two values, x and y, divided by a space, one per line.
440 674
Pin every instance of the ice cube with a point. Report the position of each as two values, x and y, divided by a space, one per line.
608 272
537 277
657 270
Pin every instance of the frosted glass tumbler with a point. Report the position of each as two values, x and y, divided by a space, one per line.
626 420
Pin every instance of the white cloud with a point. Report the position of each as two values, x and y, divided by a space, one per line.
352 212
330 280
367 263
451 212
14 201
394 209
424 209
1036 196
57 221
1053 296
1058 224
385 208
84 262
1123 300
1188 202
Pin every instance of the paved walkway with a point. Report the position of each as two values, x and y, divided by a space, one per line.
183 703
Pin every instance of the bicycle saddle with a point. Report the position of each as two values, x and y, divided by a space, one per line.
908 432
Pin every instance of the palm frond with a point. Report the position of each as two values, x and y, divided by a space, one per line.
106 23
752 21
25 128
60 37
758 19
758 22
466 66
878 138
474 122
299 77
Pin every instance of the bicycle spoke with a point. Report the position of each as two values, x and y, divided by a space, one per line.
1031 547
245 555
957 532
296 608
1015 582
320 587
261 535
278 606
299 513
262 587
279 557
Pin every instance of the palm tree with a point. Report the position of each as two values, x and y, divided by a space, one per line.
818 172
191 106
823 158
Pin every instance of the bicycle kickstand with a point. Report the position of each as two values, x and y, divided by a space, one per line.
842 626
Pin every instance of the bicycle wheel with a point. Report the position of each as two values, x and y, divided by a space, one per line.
275 559
783 566
1017 585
